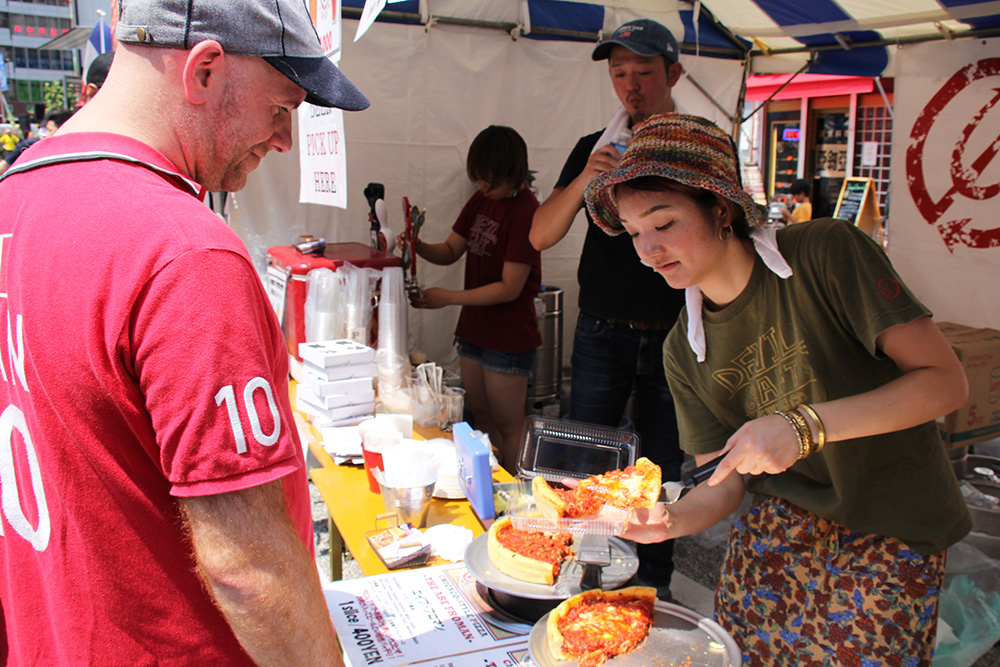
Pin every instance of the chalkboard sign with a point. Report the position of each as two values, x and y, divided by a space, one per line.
858 204
852 196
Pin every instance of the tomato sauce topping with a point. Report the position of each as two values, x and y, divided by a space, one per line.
607 489
599 629
547 547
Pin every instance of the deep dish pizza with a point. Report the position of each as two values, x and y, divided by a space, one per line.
635 486
597 625
532 556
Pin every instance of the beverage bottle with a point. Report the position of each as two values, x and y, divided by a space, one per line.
621 142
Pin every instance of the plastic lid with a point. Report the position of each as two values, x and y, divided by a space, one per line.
557 448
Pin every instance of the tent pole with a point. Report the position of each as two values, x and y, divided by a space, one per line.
509 28
885 98
779 88
912 39
734 119
741 98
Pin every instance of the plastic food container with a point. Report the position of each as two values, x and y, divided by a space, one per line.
555 449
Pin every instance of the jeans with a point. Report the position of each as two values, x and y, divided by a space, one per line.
609 361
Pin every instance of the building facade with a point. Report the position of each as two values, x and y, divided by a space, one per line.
24 27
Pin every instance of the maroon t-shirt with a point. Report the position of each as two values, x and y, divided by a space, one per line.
496 231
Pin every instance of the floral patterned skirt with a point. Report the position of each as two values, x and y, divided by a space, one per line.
802 591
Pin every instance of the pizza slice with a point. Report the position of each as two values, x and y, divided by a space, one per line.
532 556
636 486
597 625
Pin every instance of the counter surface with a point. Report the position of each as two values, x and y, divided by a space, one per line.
353 508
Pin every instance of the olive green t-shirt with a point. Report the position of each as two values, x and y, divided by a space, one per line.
809 339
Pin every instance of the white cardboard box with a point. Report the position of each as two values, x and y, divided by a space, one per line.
336 353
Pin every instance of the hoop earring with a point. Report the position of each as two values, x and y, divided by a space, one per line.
724 237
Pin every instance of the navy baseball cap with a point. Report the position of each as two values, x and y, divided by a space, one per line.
279 31
643 36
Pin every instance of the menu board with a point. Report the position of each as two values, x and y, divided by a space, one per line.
424 616
858 204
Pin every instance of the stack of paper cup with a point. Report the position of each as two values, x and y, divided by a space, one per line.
357 301
373 447
391 356
392 309
323 320
377 434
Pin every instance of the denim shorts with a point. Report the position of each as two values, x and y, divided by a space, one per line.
510 363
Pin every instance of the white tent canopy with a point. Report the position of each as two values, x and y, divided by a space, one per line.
439 71
432 91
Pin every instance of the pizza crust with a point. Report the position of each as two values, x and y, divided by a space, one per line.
548 502
554 636
514 564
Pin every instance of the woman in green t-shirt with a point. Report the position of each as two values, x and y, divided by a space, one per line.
805 365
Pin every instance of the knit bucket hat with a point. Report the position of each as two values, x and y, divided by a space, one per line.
688 149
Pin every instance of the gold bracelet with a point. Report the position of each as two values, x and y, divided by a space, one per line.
820 428
798 435
802 433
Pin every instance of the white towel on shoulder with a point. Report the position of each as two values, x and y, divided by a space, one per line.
766 245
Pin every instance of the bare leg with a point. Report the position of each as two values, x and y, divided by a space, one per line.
507 396
476 398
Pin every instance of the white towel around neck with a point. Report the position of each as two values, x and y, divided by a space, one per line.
766 245
619 122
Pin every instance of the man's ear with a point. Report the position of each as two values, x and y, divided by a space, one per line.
89 91
674 72
204 72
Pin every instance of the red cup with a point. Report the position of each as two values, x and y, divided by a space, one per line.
372 460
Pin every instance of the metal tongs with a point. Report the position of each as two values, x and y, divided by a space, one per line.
689 480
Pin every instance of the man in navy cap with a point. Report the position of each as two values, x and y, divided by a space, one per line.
626 309
156 508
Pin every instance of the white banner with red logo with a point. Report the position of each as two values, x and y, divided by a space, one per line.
944 224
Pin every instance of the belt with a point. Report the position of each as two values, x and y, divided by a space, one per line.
641 326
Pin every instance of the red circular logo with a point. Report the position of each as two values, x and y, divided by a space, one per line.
888 288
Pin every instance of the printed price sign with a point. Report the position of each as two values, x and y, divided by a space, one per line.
418 616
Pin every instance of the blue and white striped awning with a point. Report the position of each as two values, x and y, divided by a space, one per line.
851 37
836 31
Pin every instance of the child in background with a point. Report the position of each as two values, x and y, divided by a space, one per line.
497 331
803 211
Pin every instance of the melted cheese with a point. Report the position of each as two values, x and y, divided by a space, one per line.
593 631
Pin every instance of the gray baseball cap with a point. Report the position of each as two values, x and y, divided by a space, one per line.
279 31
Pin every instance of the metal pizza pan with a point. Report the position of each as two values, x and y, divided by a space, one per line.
679 636
624 564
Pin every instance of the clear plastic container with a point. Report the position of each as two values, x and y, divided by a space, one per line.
559 448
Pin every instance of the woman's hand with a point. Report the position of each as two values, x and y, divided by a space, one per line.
432 297
649 525
765 445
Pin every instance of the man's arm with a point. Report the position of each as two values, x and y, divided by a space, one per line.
261 576
555 216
